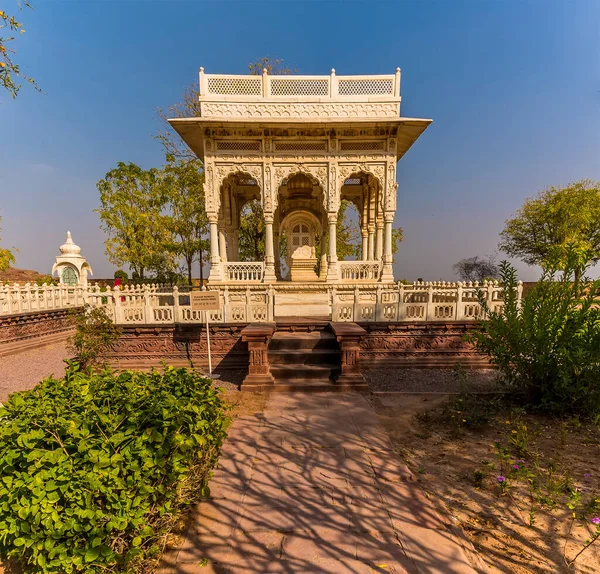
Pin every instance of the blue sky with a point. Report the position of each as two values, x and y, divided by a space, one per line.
513 89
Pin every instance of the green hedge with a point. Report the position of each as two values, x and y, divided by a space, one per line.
93 467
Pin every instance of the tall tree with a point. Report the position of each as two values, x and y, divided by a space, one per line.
252 232
544 229
9 69
184 183
7 257
477 268
347 235
132 213
397 237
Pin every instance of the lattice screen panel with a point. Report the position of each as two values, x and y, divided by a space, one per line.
352 181
228 145
366 87
247 86
308 146
362 146
299 87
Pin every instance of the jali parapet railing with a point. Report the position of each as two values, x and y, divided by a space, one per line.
431 301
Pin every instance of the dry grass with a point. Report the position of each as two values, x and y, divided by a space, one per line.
522 528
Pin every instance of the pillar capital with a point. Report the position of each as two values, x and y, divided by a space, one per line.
388 216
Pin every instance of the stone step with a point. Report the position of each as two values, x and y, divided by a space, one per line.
304 357
298 374
306 341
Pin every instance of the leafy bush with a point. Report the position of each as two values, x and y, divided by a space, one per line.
46 280
95 331
94 467
122 275
549 345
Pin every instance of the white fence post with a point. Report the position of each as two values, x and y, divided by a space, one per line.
148 312
430 309
117 304
459 311
176 310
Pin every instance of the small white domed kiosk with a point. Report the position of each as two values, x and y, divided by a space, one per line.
71 267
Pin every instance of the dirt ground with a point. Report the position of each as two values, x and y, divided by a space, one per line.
460 468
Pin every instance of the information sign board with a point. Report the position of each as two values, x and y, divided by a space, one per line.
205 300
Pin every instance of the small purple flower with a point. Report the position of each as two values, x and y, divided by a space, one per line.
595 520
516 466
587 475
501 479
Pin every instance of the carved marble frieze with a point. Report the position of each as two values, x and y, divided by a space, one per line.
303 110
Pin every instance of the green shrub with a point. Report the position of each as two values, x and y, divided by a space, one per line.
94 333
548 347
94 467
122 275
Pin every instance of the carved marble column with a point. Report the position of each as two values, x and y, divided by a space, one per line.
233 244
258 335
222 245
333 272
323 273
379 240
387 273
269 255
216 271
277 254
364 253
371 242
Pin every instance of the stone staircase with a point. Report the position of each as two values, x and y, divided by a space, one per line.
305 360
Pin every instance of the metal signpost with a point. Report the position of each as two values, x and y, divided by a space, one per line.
206 301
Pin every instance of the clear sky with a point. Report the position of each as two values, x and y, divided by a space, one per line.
513 89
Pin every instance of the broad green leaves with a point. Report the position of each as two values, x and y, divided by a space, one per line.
91 464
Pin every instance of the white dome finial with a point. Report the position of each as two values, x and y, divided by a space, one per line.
68 247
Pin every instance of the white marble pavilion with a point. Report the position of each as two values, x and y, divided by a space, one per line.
300 145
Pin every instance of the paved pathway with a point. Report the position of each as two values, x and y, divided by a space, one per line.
312 485
24 370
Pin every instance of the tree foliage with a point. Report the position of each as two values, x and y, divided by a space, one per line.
7 257
477 268
132 201
10 71
548 346
546 226
347 233
184 189
397 237
252 232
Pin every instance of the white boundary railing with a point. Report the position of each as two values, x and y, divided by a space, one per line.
30 298
255 303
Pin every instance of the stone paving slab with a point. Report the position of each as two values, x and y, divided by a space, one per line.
313 485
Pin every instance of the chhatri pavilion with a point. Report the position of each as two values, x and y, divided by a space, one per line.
300 145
